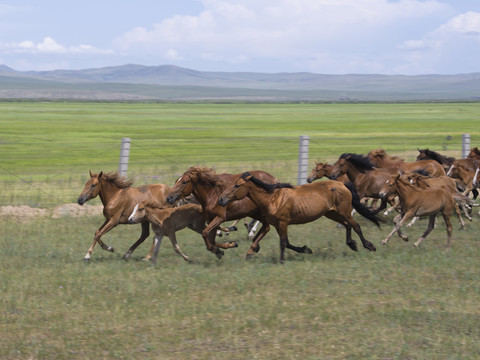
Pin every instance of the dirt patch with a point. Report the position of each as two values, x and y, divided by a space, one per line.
25 213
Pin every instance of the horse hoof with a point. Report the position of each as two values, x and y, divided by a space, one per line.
233 244
383 242
232 228
405 238
307 250
110 249
86 260
249 257
219 254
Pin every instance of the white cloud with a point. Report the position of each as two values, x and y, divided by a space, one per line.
239 31
49 46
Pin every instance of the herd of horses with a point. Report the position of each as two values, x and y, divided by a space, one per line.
203 200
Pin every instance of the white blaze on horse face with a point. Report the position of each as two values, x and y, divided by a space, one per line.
475 181
132 216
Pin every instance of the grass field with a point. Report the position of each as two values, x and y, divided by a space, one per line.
396 303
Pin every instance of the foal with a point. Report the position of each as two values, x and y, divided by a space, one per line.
416 201
167 221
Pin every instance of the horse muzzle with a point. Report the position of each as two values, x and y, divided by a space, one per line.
222 201
81 200
172 198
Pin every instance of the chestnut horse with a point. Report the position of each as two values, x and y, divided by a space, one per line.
474 154
206 186
382 160
167 221
119 197
284 204
323 169
367 179
416 201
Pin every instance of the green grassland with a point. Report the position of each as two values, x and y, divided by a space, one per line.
399 302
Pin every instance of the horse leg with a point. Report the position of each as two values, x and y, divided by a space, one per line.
253 229
143 236
212 228
459 214
431 225
397 227
351 223
157 241
446 218
177 249
106 226
414 220
283 236
255 247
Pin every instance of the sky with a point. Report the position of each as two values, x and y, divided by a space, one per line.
408 37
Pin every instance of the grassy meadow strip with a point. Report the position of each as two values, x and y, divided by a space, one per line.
396 303
48 147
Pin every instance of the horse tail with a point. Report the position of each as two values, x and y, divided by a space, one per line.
362 209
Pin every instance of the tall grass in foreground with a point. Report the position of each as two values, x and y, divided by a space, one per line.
396 303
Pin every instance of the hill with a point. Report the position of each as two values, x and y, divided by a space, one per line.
173 83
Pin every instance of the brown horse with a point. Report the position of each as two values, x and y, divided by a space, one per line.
416 201
382 160
167 221
119 197
323 170
367 179
465 171
284 204
206 186
427 154
474 154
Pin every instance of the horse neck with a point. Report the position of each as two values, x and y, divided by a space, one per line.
260 197
107 191
353 173
204 192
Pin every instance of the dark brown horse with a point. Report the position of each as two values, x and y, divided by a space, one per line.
367 179
427 154
119 197
284 204
323 169
206 186
382 160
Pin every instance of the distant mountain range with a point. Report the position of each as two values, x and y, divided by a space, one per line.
173 83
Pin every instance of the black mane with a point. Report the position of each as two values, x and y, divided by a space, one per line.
361 162
444 160
263 185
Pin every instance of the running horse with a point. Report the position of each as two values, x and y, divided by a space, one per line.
367 179
284 204
427 154
382 160
119 198
206 186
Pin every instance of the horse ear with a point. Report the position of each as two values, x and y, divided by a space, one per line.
90 171
100 175
248 177
316 162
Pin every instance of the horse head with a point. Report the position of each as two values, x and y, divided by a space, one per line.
91 188
320 170
237 191
137 214
339 168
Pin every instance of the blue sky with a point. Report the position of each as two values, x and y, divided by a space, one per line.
407 37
